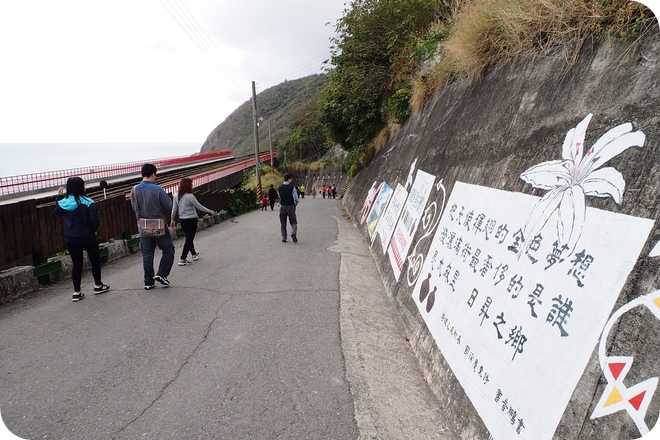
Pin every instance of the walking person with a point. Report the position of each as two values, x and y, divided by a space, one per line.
186 205
323 190
314 191
288 202
150 201
302 191
334 191
272 196
80 225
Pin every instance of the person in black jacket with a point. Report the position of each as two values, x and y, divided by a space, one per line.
288 201
272 196
80 224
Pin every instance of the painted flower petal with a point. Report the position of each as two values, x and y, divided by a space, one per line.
547 175
540 215
572 213
605 182
612 143
574 141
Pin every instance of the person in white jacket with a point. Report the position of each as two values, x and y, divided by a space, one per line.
186 205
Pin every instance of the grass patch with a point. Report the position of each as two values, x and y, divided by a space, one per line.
487 32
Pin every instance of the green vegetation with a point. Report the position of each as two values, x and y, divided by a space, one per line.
277 106
268 177
371 82
241 201
391 56
308 139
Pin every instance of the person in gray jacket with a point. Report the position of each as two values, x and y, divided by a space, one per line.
153 202
186 205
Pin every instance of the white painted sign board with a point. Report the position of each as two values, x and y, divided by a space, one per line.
388 220
409 220
518 329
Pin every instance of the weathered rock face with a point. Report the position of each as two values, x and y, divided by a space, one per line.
487 132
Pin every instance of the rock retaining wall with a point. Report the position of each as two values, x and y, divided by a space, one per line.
489 133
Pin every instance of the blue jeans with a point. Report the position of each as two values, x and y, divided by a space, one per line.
148 248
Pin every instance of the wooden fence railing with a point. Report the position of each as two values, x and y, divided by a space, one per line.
32 232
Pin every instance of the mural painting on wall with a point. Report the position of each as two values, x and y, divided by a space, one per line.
384 193
388 219
366 207
406 226
635 400
416 259
387 211
522 286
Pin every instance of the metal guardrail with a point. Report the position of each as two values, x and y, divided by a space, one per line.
49 179
201 179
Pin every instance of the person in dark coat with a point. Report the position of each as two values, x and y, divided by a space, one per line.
81 221
272 196
288 201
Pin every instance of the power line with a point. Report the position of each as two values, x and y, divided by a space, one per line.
198 39
184 18
209 40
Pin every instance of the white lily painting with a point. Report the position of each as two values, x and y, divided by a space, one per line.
576 175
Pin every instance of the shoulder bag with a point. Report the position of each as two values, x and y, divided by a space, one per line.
149 227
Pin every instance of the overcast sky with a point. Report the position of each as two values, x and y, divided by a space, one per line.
150 70
129 70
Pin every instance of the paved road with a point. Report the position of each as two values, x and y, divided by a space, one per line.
258 339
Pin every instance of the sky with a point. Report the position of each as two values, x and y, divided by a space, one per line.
148 70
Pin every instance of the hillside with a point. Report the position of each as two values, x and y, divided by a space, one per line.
276 105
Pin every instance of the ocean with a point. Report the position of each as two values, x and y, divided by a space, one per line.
28 158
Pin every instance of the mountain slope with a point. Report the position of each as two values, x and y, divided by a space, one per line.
276 105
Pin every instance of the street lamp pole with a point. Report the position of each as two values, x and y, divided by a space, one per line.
270 142
256 141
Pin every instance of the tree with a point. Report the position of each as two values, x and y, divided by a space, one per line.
372 39
308 138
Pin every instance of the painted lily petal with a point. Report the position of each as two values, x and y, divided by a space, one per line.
547 175
540 214
572 212
615 141
605 182
574 141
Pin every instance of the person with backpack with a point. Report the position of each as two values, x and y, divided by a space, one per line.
81 221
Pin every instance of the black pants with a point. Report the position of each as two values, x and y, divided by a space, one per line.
272 204
76 252
189 226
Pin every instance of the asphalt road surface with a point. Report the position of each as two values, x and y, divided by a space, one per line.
258 339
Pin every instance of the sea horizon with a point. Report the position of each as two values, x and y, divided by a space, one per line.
20 158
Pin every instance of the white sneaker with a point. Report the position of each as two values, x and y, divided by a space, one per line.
184 262
195 257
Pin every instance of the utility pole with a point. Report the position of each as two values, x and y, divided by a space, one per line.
270 142
256 141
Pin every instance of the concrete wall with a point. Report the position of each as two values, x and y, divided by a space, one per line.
488 132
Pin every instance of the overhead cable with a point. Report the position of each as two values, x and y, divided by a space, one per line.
203 44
